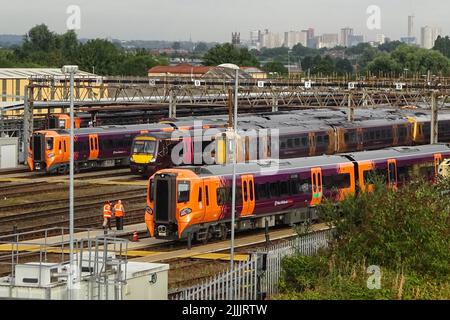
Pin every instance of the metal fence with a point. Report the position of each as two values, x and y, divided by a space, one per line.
305 245
219 287
257 277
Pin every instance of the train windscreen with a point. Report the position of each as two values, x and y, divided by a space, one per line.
162 200
144 147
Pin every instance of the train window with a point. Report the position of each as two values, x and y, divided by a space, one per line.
284 188
183 191
200 194
96 143
152 190
250 185
262 191
222 196
274 190
207 195
372 135
297 142
350 137
305 141
294 187
427 171
383 134
245 191
326 139
283 145
304 186
339 181
319 140
392 173
370 176
389 133
403 174
65 148
49 143
377 134
60 146
290 143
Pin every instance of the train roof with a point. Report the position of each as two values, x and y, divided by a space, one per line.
270 165
396 152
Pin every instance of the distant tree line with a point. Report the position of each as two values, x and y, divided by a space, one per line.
393 58
44 48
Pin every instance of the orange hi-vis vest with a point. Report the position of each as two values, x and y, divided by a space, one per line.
118 210
106 211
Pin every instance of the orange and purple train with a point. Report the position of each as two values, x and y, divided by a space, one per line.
195 202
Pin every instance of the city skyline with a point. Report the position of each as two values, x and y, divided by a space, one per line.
155 20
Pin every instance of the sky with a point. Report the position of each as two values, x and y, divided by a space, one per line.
214 20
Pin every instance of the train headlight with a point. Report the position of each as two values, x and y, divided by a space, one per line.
51 155
152 160
149 210
185 211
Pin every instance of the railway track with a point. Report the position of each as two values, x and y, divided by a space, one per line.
37 204
81 221
49 213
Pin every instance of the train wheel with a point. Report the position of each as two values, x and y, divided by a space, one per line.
223 232
208 236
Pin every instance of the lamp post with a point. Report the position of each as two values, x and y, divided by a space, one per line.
233 187
71 70
233 193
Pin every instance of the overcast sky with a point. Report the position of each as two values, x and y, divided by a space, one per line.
214 20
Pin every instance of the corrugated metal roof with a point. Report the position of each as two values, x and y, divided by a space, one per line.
25 73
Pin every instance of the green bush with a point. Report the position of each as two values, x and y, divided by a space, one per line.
405 232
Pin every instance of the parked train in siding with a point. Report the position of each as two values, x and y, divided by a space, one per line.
111 145
195 202
308 135
87 120
48 150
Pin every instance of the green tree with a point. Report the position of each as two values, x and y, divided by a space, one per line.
137 64
443 45
69 47
275 67
301 51
389 46
343 66
383 64
101 56
227 53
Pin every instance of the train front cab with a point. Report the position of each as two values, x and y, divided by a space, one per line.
177 193
182 205
144 154
47 150
61 121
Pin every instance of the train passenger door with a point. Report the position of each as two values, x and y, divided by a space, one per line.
212 209
365 169
312 144
392 173
316 183
437 162
248 195
93 147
